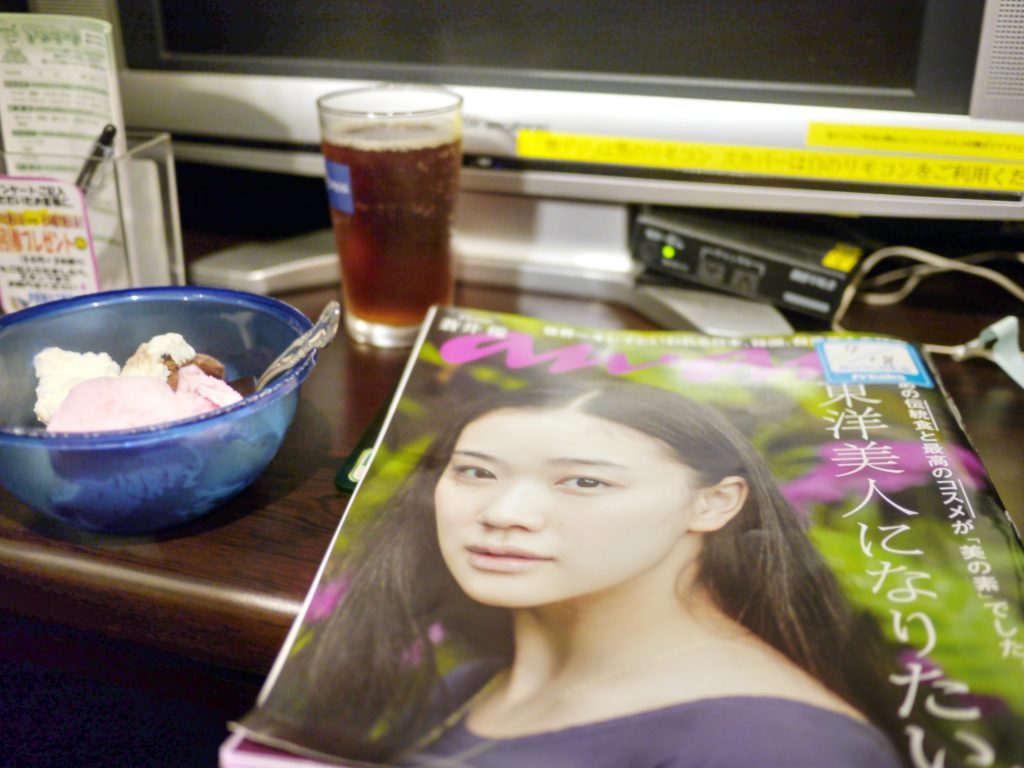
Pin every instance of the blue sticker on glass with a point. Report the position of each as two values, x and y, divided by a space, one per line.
339 187
871 361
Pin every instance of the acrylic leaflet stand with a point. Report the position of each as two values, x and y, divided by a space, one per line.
131 223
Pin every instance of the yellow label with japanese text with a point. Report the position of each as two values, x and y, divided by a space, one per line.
769 161
925 141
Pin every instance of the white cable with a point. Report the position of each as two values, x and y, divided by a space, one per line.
934 264
913 275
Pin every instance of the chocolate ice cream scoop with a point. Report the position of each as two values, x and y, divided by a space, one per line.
208 364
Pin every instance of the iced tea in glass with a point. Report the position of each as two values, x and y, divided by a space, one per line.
392 154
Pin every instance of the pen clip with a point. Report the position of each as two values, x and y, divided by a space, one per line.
101 150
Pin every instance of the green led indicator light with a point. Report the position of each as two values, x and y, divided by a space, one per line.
668 251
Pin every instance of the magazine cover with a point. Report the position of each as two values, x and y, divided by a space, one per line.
578 547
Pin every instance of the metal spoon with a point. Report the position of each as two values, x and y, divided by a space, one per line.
317 337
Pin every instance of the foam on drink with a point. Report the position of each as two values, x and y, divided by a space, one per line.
397 136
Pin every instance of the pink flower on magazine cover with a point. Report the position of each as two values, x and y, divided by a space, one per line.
829 483
326 598
414 655
329 594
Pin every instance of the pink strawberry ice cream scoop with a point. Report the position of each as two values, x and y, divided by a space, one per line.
199 392
126 402
121 402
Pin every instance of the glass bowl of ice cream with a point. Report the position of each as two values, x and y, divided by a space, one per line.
117 412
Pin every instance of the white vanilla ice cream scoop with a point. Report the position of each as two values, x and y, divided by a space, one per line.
58 370
159 356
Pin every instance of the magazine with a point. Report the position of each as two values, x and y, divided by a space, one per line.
580 547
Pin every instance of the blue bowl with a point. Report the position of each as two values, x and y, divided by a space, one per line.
150 478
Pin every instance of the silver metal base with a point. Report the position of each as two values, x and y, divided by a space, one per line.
564 247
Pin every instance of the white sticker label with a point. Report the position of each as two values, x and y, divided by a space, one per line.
871 361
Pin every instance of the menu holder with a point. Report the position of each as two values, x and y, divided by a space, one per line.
77 224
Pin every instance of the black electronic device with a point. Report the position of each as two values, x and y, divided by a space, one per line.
795 268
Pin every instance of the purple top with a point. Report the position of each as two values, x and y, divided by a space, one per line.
727 732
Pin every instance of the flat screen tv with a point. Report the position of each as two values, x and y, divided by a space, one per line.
906 108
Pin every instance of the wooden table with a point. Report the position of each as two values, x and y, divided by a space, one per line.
214 599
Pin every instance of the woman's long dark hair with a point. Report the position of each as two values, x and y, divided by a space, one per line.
371 667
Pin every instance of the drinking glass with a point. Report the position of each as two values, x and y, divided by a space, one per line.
393 153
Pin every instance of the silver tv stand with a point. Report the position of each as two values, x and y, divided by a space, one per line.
547 245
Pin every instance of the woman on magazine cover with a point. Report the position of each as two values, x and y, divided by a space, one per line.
603 577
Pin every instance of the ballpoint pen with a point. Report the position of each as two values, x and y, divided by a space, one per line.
102 149
358 461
